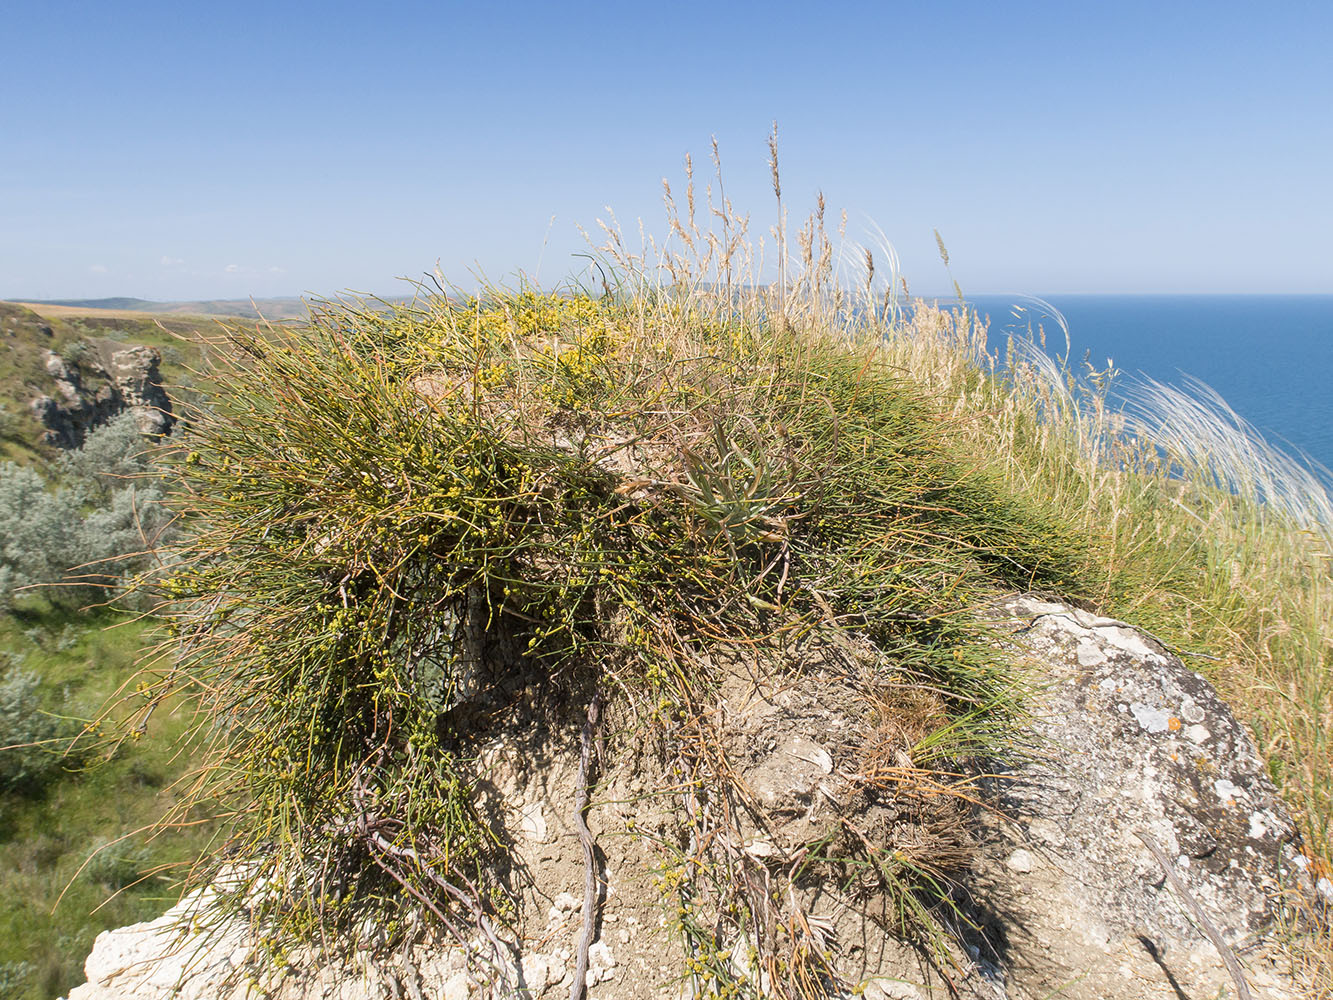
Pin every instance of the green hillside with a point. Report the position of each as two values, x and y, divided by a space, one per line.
60 662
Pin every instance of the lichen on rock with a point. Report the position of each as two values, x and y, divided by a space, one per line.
1131 740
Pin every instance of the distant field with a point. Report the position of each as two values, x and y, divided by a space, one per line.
49 310
286 308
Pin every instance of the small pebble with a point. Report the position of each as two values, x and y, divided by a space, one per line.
1020 861
568 903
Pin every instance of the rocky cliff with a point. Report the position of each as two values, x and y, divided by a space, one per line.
100 381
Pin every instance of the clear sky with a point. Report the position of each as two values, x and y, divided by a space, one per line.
182 150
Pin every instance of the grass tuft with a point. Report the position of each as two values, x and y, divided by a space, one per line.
401 511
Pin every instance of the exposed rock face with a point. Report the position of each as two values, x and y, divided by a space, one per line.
1068 900
1133 741
152 961
105 380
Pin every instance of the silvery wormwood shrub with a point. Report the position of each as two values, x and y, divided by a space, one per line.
42 534
30 739
105 513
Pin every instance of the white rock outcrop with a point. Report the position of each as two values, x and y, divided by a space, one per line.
103 381
1131 742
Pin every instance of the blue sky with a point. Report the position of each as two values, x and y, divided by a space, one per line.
223 150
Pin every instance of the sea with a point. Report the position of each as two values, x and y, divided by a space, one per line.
1269 356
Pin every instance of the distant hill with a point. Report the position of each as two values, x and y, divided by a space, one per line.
290 307
142 305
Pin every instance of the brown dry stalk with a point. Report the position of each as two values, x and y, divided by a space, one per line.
1206 925
781 228
578 987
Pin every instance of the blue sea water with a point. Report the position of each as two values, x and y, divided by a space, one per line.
1269 356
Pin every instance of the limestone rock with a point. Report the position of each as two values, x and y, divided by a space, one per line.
102 381
153 960
1131 740
134 372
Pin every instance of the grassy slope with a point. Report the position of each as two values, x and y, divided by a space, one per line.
24 337
82 658
44 840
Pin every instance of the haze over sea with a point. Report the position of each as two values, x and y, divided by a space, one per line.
1269 356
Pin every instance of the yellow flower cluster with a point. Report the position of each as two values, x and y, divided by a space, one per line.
526 316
